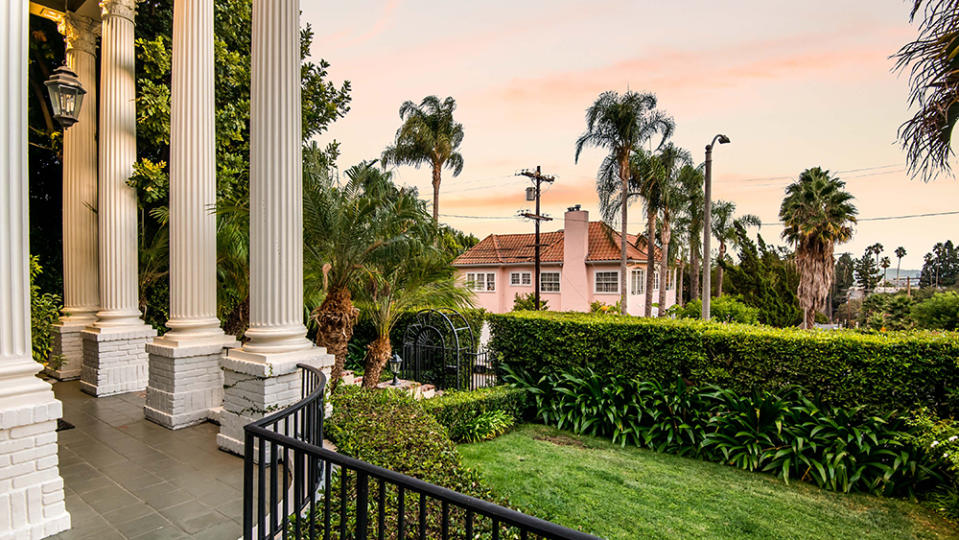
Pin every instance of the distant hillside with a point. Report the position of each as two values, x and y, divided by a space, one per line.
904 273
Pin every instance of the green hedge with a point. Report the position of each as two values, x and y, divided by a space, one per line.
458 410
885 372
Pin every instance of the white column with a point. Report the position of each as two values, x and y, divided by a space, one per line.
81 295
115 360
31 492
185 379
262 375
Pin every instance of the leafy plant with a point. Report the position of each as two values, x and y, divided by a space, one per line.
44 313
527 302
723 309
459 411
488 425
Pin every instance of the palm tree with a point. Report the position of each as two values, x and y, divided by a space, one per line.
346 230
885 263
876 250
817 213
932 61
620 124
421 277
900 253
671 201
724 225
429 135
692 179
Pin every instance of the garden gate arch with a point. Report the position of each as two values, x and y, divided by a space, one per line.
440 348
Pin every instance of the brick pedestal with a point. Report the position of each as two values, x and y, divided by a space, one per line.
31 490
185 382
68 346
115 359
256 385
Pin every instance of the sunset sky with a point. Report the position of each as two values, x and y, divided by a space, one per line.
793 84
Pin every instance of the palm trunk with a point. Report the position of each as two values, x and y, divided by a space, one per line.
719 268
694 284
437 170
379 354
335 319
624 178
664 238
680 278
650 260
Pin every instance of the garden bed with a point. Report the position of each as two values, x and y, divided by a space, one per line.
592 485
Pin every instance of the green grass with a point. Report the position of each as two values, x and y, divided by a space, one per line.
592 485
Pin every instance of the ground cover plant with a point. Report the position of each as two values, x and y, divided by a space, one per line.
884 371
596 486
478 414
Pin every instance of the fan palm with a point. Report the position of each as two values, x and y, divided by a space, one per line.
620 124
724 225
885 263
900 253
347 229
429 135
817 213
932 61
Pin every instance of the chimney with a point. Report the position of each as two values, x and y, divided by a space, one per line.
575 249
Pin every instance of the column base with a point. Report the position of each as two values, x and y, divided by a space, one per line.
259 384
31 490
115 359
68 346
185 381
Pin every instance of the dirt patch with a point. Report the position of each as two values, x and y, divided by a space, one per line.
560 440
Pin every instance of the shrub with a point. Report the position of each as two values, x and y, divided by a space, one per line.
887 312
940 311
458 411
884 372
788 435
938 441
44 313
527 302
606 309
486 426
722 309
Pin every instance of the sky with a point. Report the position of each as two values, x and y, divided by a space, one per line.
793 84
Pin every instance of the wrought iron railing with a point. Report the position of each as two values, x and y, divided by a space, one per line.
295 488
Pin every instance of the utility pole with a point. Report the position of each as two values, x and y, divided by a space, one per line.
533 193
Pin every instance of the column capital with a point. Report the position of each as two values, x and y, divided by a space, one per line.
80 33
118 8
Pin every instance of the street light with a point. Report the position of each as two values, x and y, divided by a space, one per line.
66 95
707 228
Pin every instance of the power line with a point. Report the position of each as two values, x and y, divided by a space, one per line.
790 177
891 218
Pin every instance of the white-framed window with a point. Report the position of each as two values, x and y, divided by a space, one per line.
670 281
638 281
656 280
481 281
517 279
549 281
606 282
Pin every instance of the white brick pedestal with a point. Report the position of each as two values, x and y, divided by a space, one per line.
68 345
185 382
115 359
257 385
31 490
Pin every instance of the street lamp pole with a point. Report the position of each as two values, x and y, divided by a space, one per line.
707 225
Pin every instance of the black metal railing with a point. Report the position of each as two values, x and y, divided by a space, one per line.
295 488
447 369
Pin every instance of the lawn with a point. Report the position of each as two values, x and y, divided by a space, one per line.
595 486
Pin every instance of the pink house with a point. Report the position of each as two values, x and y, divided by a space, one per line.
578 265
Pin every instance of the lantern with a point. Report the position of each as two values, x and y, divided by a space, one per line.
66 95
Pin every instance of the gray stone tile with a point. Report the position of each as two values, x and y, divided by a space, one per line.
142 525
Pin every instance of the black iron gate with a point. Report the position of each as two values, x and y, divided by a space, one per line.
440 348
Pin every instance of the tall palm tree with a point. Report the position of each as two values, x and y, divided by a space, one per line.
671 201
876 250
817 213
692 180
724 231
900 253
346 230
429 135
885 263
932 61
620 124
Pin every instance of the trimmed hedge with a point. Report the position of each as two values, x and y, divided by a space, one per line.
884 372
458 410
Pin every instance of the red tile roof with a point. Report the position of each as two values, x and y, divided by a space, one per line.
603 245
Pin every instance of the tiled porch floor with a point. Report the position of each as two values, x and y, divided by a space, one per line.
126 477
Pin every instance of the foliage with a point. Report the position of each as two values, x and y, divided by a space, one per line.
722 309
527 302
941 266
843 279
596 486
887 312
817 214
725 229
932 62
598 306
941 311
486 426
938 441
44 313
785 434
766 279
429 136
884 372
459 411
868 275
